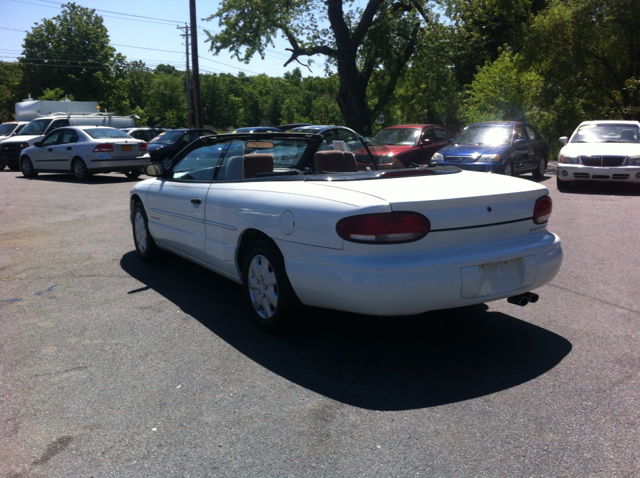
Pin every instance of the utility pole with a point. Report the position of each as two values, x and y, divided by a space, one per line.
188 79
197 102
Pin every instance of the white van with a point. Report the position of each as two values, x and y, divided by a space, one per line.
36 129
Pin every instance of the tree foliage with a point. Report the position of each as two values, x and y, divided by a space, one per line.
71 52
359 42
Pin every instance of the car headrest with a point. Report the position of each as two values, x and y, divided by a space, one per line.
334 161
257 163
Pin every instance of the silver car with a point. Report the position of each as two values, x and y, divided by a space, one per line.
83 151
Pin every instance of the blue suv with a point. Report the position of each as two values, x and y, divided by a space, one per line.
504 147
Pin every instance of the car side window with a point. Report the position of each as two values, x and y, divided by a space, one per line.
441 135
68 136
429 133
200 164
52 139
521 133
59 124
330 136
531 133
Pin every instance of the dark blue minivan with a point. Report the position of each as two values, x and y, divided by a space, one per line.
504 147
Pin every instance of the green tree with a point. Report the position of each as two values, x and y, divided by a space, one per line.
590 48
166 103
359 42
71 51
53 95
503 90
11 89
480 28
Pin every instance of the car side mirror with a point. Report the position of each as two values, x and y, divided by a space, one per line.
154 170
521 141
426 142
564 140
38 144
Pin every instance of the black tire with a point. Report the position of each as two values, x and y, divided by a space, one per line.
538 173
3 164
26 166
562 185
146 246
79 169
133 174
508 168
267 289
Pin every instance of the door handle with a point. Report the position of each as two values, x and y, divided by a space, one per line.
50 149
68 148
196 201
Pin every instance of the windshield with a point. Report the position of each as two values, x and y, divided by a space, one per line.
6 128
485 134
606 133
107 133
36 127
399 136
170 137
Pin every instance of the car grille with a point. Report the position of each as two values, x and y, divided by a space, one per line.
602 160
9 148
460 159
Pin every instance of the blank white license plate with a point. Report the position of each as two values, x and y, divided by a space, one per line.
497 277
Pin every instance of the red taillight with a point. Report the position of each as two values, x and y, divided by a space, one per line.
385 228
542 210
103 148
143 147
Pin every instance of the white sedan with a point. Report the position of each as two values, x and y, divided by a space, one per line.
293 224
83 151
603 150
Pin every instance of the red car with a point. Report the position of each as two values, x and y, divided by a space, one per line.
414 143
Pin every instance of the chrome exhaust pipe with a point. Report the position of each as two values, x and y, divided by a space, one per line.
520 300
523 299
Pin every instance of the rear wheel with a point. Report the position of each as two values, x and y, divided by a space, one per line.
540 170
562 185
133 174
508 169
80 170
146 247
27 167
267 289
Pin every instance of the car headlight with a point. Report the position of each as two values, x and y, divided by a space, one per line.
568 159
635 160
495 158
437 157
23 145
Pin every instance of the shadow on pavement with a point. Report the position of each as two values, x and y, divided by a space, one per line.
377 363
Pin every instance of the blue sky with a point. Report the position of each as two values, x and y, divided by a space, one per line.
147 32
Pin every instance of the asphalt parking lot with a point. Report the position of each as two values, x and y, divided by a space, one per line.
113 368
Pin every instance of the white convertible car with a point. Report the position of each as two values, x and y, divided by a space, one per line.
293 223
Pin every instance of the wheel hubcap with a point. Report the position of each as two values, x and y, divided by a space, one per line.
26 167
141 232
79 169
263 287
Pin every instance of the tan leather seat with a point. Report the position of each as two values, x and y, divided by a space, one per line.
334 161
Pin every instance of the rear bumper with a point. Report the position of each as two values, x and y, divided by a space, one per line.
579 172
412 283
101 165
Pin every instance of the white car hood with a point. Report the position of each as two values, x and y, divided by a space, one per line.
601 149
